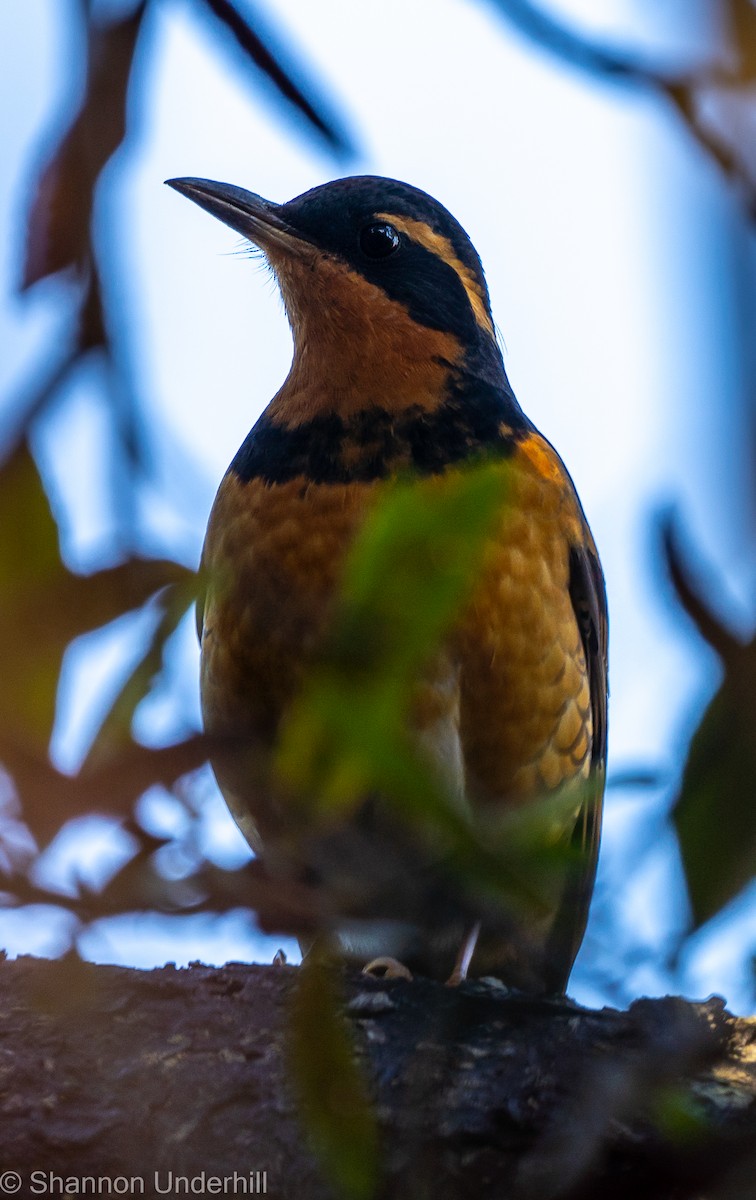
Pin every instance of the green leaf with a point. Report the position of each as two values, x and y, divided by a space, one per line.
413 567
416 561
715 814
679 1116
332 1093
30 572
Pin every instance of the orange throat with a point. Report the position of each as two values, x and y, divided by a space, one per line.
355 348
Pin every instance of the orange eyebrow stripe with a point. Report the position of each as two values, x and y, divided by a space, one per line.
443 249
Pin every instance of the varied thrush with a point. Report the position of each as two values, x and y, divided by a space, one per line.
396 368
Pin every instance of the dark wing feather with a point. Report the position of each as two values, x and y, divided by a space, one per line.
588 595
199 608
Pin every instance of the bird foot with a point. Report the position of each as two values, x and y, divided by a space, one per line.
387 968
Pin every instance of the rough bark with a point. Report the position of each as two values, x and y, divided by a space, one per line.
111 1073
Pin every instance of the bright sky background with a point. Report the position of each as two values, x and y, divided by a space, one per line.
602 230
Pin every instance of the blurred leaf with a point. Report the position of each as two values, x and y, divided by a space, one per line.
414 563
679 1116
257 48
724 77
115 731
333 1096
115 787
637 777
58 232
741 15
31 573
537 22
143 883
412 568
44 606
715 813
50 798
92 331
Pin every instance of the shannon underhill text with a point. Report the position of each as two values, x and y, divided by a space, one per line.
162 1183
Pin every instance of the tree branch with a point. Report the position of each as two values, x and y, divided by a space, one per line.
478 1093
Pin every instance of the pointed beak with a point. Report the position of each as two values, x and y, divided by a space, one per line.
257 219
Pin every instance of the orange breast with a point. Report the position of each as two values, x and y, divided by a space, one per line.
525 705
513 689
274 555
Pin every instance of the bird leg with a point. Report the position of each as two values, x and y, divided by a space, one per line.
464 956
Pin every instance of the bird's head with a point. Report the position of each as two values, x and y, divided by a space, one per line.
383 288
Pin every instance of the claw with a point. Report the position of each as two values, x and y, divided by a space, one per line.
387 968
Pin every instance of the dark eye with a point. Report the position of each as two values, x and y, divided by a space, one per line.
379 240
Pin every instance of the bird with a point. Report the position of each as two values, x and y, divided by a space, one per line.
397 370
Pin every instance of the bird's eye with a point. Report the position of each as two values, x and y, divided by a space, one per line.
379 240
